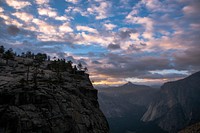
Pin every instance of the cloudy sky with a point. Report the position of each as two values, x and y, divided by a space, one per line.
142 41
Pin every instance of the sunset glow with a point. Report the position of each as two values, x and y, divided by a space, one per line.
143 41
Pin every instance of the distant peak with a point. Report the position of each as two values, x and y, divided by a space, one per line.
129 83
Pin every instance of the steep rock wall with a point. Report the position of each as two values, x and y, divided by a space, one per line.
64 103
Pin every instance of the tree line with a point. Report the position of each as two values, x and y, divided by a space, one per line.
59 65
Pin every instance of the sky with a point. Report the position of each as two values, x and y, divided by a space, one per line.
141 41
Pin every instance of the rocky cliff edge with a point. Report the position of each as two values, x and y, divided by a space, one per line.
40 100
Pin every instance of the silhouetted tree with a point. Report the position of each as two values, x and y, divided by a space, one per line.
74 69
80 66
32 55
23 54
54 58
2 49
53 65
70 62
8 55
28 64
40 57
28 54
48 58
69 66
35 73
85 69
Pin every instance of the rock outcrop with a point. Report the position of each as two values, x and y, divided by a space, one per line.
176 105
38 100
195 128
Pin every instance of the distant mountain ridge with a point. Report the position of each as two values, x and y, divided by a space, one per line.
128 87
125 105
173 107
176 105
133 93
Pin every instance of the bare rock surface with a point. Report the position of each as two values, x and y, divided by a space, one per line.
177 104
48 103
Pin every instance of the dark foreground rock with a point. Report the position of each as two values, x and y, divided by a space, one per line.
48 103
195 128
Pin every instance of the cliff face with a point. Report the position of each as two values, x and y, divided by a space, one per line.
195 128
47 101
176 105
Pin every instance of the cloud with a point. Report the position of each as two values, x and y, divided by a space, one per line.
130 66
143 44
72 10
158 13
126 32
165 77
188 9
109 26
61 18
146 22
13 30
100 10
114 46
132 48
23 16
188 59
46 29
191 10
65 28
46 10
10 21
41 2
134 36
89 39
1 9
153 5
82 61
5 17
50 12
195 26
86 28
96 62
72 1
16 4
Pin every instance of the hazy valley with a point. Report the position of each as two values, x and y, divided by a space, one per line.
142 109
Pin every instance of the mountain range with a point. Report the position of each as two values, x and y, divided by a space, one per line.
125 105
176 105
143 109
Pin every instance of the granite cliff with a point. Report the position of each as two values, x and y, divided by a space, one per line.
176 105
43 98
194 128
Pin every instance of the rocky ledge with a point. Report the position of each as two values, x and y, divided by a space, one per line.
34 99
